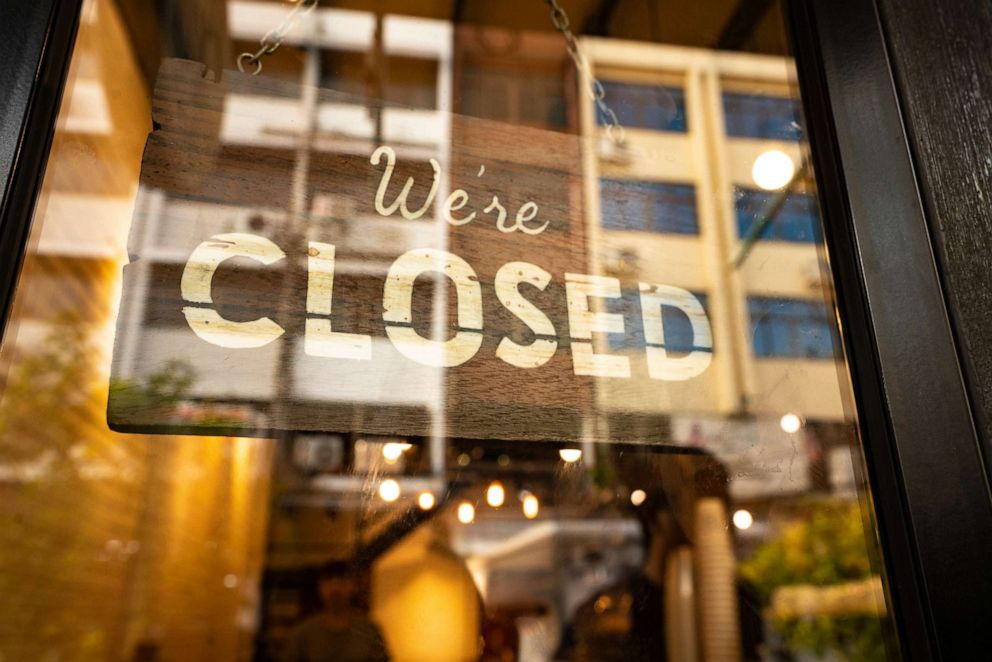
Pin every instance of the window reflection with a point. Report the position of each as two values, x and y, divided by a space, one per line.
653 107
425 513
649 206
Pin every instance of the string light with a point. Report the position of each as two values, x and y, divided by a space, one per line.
426 501
389 490
393 450
531 506
637 497
495 494
466 512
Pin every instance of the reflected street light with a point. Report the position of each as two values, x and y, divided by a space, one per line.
743 519
773 169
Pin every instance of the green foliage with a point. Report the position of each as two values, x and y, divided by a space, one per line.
857 638
826 548
161 391
48 394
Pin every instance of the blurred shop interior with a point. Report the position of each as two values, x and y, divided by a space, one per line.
720 518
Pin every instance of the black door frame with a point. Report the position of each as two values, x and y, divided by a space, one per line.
922 449
36 41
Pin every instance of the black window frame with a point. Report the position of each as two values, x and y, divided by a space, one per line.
923 453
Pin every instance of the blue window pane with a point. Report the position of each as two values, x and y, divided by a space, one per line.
675 323
648 206
761 116
797 220
791 328
645 106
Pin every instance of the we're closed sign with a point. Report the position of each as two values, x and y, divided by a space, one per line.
318 271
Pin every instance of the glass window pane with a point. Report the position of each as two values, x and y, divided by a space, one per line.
654 107
395 351
760 116
649 206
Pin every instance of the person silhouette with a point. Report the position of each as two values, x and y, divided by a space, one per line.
340 631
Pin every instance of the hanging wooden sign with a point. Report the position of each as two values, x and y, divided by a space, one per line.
303 260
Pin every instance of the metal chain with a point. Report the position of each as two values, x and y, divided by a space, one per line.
614 130
272 40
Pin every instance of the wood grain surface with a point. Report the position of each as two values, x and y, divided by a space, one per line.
941 53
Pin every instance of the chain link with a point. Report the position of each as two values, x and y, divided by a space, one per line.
272 40
614 130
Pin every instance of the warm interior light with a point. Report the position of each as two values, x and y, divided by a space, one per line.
426 501
393 450
743 520
570 454
531 506
495 494
389 490
466 512
637 497
791 423
773 169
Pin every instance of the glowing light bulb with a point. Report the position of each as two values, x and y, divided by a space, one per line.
466 512
637 497
389 490
495 494
743 520
791 423
426 501
531 506
773 169
570 455
393 450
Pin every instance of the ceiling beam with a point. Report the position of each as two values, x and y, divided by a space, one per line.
742 24
598 22
458 11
